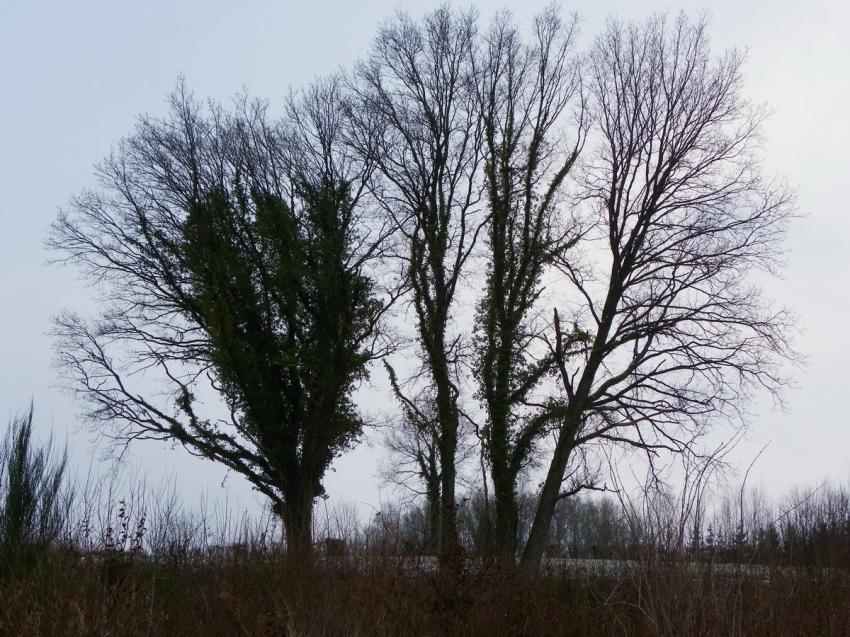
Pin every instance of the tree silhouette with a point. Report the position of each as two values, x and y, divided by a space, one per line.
234 256
678 334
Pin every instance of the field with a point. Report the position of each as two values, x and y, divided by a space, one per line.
266 594
103 559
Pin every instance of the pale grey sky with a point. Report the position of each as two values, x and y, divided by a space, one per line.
75 75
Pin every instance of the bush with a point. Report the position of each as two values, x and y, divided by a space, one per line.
33 504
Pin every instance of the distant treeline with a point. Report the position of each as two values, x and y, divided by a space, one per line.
803 528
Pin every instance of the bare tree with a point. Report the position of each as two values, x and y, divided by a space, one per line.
532 138
415 118
413 443
677 333
234 257
414 463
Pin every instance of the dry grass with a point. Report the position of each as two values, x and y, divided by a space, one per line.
265 595
136 564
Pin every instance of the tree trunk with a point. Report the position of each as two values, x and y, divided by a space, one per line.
504 478
433 499
538 537
507 519
298 525
449 544
447 413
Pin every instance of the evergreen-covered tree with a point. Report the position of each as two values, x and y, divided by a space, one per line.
235 257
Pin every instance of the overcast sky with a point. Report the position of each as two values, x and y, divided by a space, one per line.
75 75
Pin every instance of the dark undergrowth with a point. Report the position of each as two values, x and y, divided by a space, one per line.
122 594
75 563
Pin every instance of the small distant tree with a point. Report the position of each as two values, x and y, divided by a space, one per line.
234 256
414 462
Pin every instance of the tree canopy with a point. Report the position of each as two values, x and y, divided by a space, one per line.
231 264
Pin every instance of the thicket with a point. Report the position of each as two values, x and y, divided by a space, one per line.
34 497
130 561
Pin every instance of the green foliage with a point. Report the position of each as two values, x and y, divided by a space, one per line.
285 319
525 87
233 253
